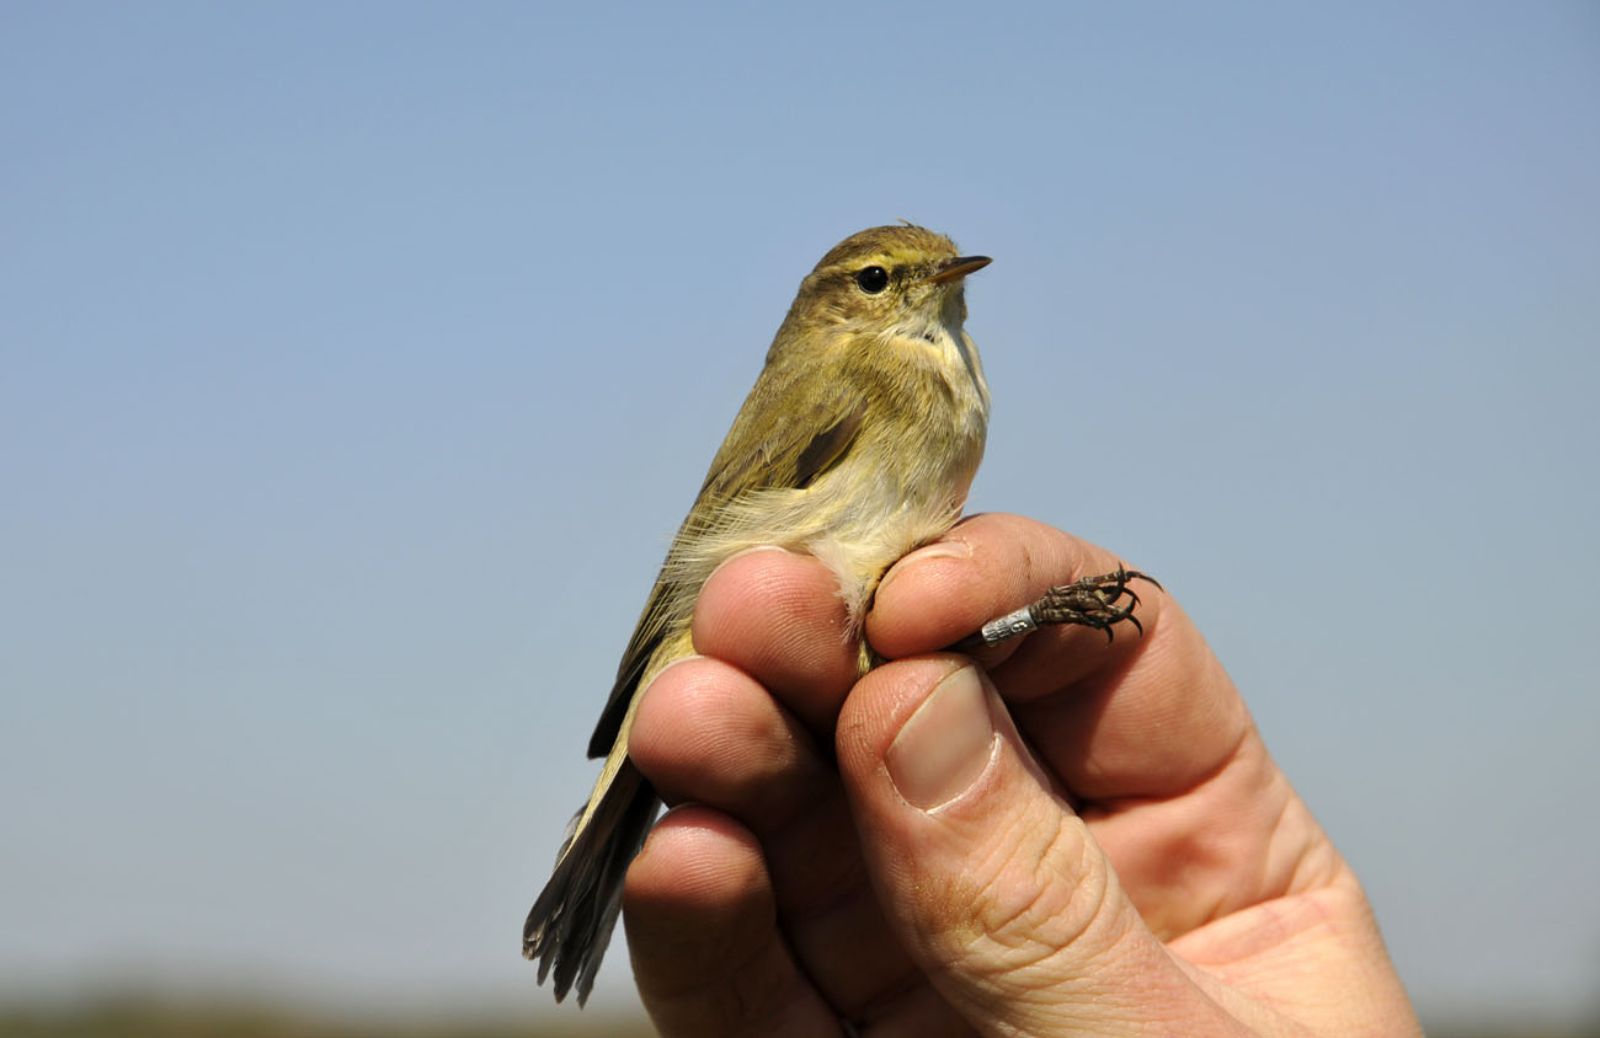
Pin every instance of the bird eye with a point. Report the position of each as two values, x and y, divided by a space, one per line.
872 280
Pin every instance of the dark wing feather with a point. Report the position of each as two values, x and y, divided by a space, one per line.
787 453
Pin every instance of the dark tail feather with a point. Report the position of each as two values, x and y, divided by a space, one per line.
571 922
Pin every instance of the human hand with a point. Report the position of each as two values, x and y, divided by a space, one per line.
1095 842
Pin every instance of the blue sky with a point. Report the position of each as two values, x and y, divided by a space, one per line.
357 362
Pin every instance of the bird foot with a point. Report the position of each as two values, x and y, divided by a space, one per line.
1099 602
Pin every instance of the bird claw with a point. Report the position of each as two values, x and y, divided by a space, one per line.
1091 602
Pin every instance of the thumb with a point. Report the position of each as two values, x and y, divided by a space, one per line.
991 882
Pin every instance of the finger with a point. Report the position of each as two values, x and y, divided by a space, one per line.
1154 725
706 732
1142 716
703 935
779 618
983 569
990 881
1148 735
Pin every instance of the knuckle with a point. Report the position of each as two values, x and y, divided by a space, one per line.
1032 904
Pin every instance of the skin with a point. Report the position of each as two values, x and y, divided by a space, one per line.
1120 856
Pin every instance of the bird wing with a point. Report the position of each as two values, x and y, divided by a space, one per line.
757 454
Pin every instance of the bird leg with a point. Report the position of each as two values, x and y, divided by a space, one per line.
1096 602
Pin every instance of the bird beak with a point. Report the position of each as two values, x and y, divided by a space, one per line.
955 269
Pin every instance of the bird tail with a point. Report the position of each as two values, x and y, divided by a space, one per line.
571 922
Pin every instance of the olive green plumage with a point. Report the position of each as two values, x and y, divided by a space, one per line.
857 443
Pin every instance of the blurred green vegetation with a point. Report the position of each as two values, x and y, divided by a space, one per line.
133 1017
1512 1030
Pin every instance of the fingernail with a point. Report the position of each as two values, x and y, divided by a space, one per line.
946 744
950 549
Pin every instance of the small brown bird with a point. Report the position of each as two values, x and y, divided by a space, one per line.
857 444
